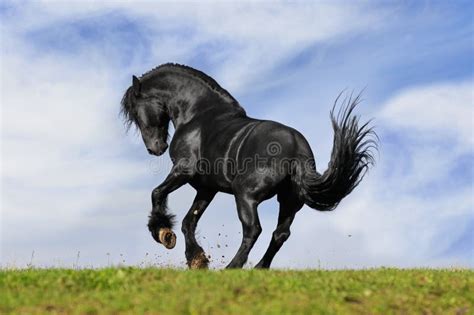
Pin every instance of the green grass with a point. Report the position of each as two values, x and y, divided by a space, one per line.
170 291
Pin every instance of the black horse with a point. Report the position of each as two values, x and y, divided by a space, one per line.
216 147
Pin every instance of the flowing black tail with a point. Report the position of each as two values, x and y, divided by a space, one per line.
350 158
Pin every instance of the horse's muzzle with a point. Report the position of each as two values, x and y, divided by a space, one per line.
159 151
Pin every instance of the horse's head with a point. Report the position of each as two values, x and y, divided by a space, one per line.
150 115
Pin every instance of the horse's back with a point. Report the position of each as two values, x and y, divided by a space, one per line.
271 139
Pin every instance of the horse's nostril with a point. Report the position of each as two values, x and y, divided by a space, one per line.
149 151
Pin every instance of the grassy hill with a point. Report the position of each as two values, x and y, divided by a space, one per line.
171 291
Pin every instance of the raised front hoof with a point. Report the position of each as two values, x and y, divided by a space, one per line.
166 237
199 261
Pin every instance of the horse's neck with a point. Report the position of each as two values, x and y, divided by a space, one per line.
188 102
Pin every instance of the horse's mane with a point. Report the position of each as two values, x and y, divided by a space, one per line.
127 100
201 76
126 110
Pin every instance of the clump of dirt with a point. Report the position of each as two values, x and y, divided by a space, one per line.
200 261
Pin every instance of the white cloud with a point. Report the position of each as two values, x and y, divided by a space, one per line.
436 110
62 145
255 37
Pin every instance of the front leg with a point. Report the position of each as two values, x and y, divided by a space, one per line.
160 223
195 255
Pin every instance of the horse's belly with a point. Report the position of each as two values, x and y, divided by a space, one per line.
216 182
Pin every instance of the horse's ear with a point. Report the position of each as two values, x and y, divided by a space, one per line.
137 86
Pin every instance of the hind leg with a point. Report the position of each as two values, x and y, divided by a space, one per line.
251 229
289 206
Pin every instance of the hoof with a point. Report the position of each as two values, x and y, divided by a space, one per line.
167 237
199 261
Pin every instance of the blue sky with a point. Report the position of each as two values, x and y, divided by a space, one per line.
74 181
